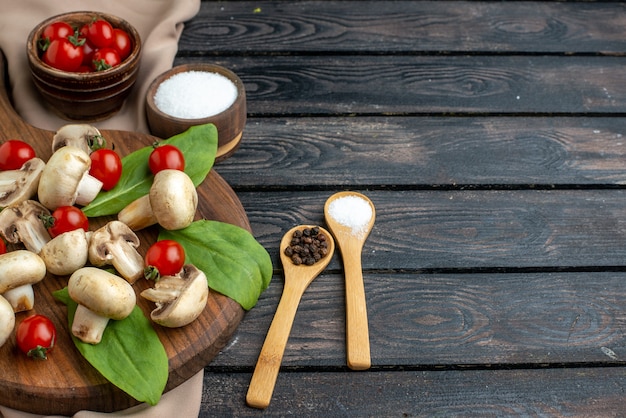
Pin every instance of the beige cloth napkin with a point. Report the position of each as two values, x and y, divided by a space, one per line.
159 23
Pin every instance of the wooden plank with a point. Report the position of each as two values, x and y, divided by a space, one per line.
544 392
393 27
428 152
466 229
425 85
449 320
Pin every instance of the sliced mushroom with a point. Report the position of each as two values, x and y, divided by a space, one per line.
116 244
79 135
101 296
7 320
172 203
179 299
19 270
22 223
66 181
67 252
19 185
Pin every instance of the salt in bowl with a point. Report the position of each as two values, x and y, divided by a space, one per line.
197 94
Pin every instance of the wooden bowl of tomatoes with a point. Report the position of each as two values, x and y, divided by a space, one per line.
84 64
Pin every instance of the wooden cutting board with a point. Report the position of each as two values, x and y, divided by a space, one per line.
66 383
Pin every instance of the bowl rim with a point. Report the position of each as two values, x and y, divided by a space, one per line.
34 59
202 67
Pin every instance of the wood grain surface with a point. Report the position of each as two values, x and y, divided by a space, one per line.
490 136
66 383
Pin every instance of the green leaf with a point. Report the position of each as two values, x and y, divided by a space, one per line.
199 146
130 355
235 264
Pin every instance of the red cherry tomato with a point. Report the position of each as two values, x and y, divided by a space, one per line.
88 51
14 153
105 58
3 246
65 219
62 54
57 30
164 258
121 43
165 157
99 33
36 336
106 166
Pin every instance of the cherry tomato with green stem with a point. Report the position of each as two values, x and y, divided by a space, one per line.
64 55
105 58
14 153
164 258
165 157
106 166
65 219
36 336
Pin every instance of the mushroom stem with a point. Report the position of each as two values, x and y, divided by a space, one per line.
116 244
127 261
88 326
138 214
22 223
22 298
7 320
87 190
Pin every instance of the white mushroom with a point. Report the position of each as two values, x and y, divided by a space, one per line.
67 252
116 244
7 320
66 181
19 185
22 223
19 270
172 203
101 296
79 135
179 299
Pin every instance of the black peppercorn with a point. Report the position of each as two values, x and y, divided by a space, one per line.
307 246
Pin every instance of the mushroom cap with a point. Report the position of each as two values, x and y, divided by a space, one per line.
66 253
22 184
78 135
116 244
19 268
102 292
174 199
22 223
103 238
61 176
7 320
179 299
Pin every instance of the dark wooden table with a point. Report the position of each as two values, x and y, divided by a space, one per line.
491 136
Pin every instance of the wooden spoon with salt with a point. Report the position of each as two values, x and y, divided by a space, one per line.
350 217
297 279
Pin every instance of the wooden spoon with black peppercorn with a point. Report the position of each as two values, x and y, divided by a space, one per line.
297 279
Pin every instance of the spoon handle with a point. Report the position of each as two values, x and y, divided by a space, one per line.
357 332
267 366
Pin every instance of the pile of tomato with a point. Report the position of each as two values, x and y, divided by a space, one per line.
95 46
